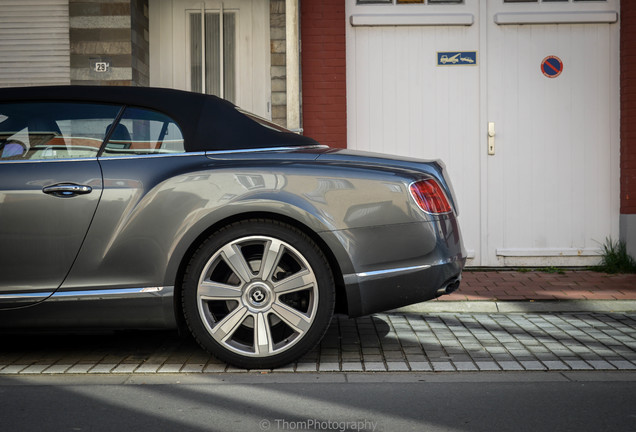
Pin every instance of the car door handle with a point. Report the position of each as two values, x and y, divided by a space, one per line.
65 190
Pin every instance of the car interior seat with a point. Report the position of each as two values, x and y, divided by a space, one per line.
120 138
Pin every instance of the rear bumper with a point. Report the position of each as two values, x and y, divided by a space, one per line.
398 265
393 288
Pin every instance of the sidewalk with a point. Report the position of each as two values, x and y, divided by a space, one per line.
537 291
495 322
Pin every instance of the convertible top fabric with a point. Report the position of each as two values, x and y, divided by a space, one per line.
207 122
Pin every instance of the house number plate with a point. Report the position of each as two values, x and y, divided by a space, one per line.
102 66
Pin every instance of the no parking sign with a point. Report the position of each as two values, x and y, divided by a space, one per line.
552 66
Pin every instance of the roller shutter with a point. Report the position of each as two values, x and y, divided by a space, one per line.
34 42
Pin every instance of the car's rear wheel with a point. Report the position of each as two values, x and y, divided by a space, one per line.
258 294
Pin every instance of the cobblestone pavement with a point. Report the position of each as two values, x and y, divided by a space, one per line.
383 342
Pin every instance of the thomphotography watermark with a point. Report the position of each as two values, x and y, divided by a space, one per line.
318 425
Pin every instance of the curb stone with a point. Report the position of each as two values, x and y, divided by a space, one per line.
530 306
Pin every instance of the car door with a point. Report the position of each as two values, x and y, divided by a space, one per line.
143 204
50 186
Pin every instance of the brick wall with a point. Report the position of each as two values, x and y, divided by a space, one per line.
140 43
278 51
628 107
324 71
112 31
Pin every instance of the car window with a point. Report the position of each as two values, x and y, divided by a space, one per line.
53 130
143 132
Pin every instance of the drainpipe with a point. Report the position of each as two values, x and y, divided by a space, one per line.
293 64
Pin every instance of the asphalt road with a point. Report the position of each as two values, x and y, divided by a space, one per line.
468 401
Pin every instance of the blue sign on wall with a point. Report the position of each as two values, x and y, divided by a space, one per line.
456 58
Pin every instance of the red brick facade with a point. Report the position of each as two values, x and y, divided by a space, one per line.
324 71
628 107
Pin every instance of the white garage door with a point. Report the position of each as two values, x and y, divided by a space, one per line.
548 194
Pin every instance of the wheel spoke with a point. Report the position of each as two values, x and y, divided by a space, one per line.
292 317
235 259
262 335
228 325
218 291
296 282
271 257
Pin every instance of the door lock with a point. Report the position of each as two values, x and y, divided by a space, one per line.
491 138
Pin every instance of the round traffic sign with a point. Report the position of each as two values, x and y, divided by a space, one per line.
552 66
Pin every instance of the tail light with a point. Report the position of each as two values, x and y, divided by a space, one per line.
430 196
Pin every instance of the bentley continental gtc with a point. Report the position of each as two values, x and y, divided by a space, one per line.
154 208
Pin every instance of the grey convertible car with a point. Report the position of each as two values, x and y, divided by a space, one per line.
141 207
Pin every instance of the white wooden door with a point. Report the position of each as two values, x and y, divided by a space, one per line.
552 191
212 46
399 101
549 195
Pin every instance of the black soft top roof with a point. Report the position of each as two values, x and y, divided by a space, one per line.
207 122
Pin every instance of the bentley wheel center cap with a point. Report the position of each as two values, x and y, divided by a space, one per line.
258 295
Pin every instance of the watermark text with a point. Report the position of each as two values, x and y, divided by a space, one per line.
318 425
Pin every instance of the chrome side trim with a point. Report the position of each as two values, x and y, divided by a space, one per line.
382 273
265 149
25 296
152 156
87 159
111 294
89 294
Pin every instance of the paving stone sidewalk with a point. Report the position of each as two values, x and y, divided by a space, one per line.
510 291
554 284
392 342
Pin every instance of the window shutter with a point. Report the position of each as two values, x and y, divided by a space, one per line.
34 42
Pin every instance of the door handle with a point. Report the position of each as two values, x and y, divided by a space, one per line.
491 138
67 190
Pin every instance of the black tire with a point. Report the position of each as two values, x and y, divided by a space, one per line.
258 294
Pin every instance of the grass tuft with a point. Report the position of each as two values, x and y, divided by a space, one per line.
615 258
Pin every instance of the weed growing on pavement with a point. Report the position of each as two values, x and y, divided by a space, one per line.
552 269
615 258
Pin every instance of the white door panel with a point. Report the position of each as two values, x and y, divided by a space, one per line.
549 193
552 183
401 102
